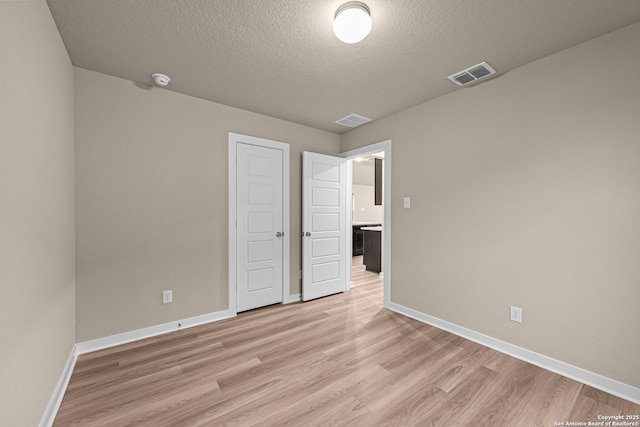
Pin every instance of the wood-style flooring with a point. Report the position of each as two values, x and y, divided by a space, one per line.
342 360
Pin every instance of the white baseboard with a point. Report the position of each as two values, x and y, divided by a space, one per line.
351 285
614 387
111 341
152 331
292 298
58 393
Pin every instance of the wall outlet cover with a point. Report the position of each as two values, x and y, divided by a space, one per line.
515 314
167 297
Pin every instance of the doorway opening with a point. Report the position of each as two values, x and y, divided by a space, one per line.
369 217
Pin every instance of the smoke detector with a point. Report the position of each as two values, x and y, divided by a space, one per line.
160 79
471 74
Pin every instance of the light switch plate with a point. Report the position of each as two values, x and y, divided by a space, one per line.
407 202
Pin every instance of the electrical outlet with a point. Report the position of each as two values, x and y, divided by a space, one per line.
515 314
167 297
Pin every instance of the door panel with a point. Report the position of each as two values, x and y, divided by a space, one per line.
325 197
325 247
325 222
324 255
259 213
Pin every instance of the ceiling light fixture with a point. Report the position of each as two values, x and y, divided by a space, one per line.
352 22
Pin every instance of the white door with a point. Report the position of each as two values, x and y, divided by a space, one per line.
260 228
324 240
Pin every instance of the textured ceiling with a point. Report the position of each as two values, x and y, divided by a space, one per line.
281 58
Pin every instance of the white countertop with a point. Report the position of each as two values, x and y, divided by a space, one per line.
371 228
363 222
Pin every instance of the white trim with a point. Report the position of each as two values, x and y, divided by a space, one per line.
292 298
386 202
232 224
348 241
608 385
351 285
111 341
234 139
152 331
50 413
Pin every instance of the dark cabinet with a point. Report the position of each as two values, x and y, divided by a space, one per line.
357 241
372 250
377 178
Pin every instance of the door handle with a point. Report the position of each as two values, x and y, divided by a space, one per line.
307 234
279 234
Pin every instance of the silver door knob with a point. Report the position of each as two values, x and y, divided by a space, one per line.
307 234
279 234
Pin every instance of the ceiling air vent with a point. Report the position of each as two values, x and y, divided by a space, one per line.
353 120
472 74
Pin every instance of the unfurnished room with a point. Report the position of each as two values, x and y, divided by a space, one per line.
319 212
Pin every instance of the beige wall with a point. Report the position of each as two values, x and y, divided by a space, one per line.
152 201
363 193
37 308
364 208
525 191
363 172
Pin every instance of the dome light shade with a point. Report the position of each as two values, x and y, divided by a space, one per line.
352 22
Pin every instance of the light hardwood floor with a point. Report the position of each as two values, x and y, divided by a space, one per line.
341 360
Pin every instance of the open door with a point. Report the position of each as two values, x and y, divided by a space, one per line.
324 225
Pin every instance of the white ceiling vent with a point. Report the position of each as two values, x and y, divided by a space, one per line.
353 120
472 74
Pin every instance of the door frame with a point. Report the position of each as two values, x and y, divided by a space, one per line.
384 146
234 140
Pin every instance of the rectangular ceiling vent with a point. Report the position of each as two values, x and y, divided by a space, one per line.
353 120
472 74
